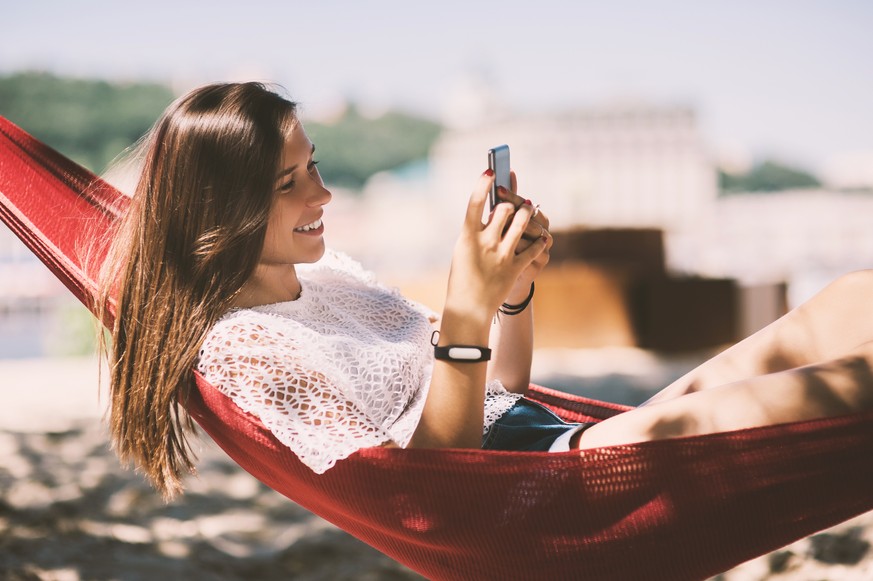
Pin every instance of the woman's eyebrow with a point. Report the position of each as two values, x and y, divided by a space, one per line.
291 169
286 171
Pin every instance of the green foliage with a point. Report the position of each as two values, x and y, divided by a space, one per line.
356 147
92 121
89 121
768 176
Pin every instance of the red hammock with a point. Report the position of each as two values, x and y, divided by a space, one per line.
676 509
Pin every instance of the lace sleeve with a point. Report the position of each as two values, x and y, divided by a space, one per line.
304 408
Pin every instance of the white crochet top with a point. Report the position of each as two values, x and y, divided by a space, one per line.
346 366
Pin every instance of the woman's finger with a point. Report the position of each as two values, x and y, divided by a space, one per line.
517 226
517 201
524 243
499 219
534 230
540 217
510 195
476 205
536 249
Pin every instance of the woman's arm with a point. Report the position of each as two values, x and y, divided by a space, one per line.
486 265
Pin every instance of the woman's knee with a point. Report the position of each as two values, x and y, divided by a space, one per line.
857 284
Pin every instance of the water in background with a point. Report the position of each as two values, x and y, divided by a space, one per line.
62 328
25 334
38 315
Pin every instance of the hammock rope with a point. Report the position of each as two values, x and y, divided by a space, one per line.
685 508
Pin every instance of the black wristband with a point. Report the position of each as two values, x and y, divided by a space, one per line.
508 309
459 353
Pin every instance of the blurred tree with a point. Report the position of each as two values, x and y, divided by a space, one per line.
768 176
355 147
90 121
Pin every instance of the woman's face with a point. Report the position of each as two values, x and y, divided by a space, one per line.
295 232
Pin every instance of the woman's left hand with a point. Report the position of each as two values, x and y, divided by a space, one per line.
538 227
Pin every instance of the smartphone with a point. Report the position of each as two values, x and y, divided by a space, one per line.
498 162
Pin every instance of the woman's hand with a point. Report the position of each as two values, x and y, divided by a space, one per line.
537 227
490 260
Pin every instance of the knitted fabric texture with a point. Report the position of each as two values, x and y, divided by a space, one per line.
346 366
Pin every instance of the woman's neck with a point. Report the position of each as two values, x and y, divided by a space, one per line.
269 284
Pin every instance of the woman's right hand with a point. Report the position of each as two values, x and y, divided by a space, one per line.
485 265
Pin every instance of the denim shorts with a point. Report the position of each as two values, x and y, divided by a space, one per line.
530 427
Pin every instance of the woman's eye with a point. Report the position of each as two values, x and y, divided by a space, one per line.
289 185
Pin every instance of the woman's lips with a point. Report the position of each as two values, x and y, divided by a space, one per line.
313 228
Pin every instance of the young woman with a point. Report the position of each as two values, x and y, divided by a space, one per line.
220 265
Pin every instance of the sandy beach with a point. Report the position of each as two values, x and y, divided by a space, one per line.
69 511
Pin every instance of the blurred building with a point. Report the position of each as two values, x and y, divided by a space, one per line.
850 170
611 287
635 167
643 166
621 165
805 237
724 261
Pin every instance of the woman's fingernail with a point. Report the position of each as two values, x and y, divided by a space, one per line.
528 203
502 190
488 172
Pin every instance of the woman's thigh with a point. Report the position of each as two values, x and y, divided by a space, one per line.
832 388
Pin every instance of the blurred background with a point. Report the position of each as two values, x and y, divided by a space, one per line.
705 166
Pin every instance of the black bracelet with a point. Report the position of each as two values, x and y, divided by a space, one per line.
507 309
459 353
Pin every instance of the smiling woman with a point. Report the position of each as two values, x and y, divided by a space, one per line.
211 268
221 265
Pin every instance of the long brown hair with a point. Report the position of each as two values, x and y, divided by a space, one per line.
191 238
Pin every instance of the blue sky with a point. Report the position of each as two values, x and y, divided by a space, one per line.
790 79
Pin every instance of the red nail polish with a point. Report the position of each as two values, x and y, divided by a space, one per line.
528 202
488 172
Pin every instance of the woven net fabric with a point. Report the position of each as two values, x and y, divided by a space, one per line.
686 508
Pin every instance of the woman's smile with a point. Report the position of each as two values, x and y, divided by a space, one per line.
312 229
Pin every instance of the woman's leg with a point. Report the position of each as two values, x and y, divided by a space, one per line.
832 388
831 324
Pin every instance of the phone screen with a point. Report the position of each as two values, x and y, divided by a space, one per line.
498 162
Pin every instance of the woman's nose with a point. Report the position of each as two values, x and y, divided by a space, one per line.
321 196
